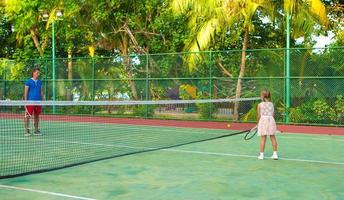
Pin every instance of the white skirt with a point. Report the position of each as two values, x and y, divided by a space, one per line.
266 126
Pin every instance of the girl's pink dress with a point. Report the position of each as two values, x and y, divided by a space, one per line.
266 124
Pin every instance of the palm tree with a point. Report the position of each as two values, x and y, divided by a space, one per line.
304 16
208 17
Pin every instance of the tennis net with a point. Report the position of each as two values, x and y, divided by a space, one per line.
74 133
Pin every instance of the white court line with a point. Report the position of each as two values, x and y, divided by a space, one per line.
45 192
250 156
311 138
189 151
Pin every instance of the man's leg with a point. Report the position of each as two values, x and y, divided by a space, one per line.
27 117
36 120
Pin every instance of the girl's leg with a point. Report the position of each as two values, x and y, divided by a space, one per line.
274 143
274 146
262 143
262 147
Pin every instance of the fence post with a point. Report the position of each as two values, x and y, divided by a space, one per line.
210 84
53 64
4 79
46 79
147 85
93 83
287 70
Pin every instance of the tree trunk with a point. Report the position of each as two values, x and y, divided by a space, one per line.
301 75
131 82
35 39
241 74
124 50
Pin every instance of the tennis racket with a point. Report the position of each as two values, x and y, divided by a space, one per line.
249 134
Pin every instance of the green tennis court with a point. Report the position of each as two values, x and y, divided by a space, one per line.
310 166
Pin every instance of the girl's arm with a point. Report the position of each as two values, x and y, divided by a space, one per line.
258 113
273 110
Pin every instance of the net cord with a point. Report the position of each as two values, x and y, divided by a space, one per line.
120 103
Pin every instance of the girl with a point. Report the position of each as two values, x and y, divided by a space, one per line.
266 123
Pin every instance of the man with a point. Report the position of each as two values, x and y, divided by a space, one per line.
33 92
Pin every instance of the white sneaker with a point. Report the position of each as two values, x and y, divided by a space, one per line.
274 156
27 133
261 157
37 132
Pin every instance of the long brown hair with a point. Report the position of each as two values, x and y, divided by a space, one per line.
265 94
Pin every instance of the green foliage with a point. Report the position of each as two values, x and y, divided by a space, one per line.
316 111
206 110
7 40
143 110
187 92
251 115
71 110
120 110
339 107
323 110
339 104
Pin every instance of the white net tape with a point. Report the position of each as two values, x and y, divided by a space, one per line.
121 103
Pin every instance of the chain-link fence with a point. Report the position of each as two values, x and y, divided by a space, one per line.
316 82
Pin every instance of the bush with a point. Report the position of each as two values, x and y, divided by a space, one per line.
316 111
120 110
324 111
143 110
339 107
187 92
205 110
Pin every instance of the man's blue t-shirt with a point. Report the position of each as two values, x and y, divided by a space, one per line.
35 87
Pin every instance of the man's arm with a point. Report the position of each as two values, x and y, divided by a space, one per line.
42 94
26 91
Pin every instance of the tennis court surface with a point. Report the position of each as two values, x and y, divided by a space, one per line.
147 159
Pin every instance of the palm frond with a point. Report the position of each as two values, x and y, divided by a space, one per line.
206 18
317 8
289 6
203 39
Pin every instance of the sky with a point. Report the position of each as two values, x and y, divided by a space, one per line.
321 40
